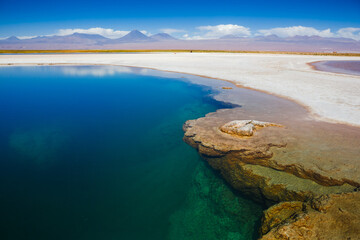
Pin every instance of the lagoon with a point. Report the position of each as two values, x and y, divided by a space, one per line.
95 152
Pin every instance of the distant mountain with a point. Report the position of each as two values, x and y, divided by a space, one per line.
134 36
138 40
69 39
163 37
306 38
269 38
97 37
12 38
320 39
230 36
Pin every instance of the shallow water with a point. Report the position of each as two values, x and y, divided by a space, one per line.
93 152
347 67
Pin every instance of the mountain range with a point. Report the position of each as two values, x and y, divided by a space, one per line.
137 40
133 36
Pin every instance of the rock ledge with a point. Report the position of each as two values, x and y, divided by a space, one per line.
245 127
334 216
307 171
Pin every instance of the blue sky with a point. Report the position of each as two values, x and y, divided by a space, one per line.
40 17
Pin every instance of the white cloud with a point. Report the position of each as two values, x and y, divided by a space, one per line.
106 32
221 30
21 37
146 33
196 37
213 32
349 32
172 30
296 31
26 37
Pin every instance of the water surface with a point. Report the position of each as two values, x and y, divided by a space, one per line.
93 152
347 67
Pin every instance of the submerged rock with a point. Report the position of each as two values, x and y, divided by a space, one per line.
278 214
212 211
39 144
270 185
335 216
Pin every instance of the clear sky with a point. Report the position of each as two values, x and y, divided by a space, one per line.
43 17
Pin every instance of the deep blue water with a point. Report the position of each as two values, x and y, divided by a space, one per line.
90 152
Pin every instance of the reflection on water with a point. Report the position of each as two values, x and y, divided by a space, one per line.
97 71
97 153
106 70
347 67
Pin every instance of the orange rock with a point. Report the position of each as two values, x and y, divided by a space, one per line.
335 217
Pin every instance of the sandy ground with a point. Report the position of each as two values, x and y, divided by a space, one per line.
329 96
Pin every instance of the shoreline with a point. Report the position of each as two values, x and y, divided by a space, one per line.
307 108
331 69
317 112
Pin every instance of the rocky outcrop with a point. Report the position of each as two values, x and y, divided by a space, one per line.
244 128
243 152
306 171
335 216
279 214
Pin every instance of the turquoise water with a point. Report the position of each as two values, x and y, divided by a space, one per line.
90 152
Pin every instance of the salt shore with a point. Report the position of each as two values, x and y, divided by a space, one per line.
329 96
